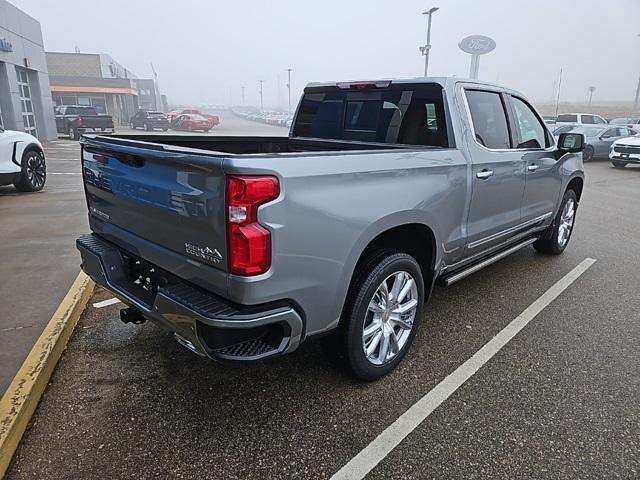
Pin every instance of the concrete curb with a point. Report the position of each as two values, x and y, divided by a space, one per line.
23 395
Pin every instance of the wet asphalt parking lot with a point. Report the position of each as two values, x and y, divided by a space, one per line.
560 400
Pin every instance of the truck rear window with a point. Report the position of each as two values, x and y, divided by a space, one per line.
400 114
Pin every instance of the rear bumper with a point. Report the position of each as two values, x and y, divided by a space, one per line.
201 321
95 129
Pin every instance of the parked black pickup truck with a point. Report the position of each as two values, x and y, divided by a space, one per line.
74 120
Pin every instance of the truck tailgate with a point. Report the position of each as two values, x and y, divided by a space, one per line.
97 121
172 199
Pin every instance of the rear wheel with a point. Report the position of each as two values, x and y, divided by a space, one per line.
619 164
380 317
73 133
147 127
34 172
557 237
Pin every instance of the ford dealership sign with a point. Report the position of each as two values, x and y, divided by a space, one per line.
5 45
477 44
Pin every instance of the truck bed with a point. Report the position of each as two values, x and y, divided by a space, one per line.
240 145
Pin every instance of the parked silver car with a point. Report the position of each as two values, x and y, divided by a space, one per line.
598 139
627 121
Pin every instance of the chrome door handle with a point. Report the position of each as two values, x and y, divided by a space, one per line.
532 168
484 174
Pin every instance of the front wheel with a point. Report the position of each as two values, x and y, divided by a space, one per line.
556 239
34 172
619 164
73 133
380 317
587 153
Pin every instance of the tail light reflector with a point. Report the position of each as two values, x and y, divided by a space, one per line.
248 242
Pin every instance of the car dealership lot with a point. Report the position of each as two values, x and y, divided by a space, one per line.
558 401
37 242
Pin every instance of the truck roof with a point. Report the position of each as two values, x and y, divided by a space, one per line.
410 80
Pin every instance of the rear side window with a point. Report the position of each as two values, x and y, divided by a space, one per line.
588 119
567 118
412 115
489 119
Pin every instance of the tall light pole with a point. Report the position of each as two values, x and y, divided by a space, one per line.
637 98
242 88
426 48
261 99
590 91
289 70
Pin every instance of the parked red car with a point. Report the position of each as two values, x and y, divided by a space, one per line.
213 119
191 123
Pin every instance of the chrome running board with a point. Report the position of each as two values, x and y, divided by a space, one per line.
450 280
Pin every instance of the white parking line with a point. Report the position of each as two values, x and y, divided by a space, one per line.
106 303
381 446
64 173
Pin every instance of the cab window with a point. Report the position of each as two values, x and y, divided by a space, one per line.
531 132
489 119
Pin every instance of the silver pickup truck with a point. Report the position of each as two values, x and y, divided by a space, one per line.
244 247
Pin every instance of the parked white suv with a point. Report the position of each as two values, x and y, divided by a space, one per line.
579 119
22 161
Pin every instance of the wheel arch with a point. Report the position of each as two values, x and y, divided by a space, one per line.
414 238
576 184
22 147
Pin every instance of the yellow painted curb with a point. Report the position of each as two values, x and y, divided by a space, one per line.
22 397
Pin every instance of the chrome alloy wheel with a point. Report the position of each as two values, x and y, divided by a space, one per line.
36 170
566 222
389 318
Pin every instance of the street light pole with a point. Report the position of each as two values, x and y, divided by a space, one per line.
426 48
261 100
242 88
637 98
289 70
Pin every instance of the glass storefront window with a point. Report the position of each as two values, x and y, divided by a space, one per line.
28 118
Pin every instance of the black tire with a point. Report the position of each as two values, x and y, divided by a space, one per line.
147 127
133 127
73 133
346 345
587 153
618 163
550 242
165 129
34 172
206 130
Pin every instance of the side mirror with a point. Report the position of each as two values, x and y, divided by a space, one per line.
571 142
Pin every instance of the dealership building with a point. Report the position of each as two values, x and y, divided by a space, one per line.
96 79
25 94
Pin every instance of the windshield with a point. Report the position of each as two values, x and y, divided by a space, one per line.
589 131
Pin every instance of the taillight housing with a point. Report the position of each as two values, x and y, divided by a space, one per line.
248 242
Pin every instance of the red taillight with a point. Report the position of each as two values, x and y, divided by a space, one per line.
248 242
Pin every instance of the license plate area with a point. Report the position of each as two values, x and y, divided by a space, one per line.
142 279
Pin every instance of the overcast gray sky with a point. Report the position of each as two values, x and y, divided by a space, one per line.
204 51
